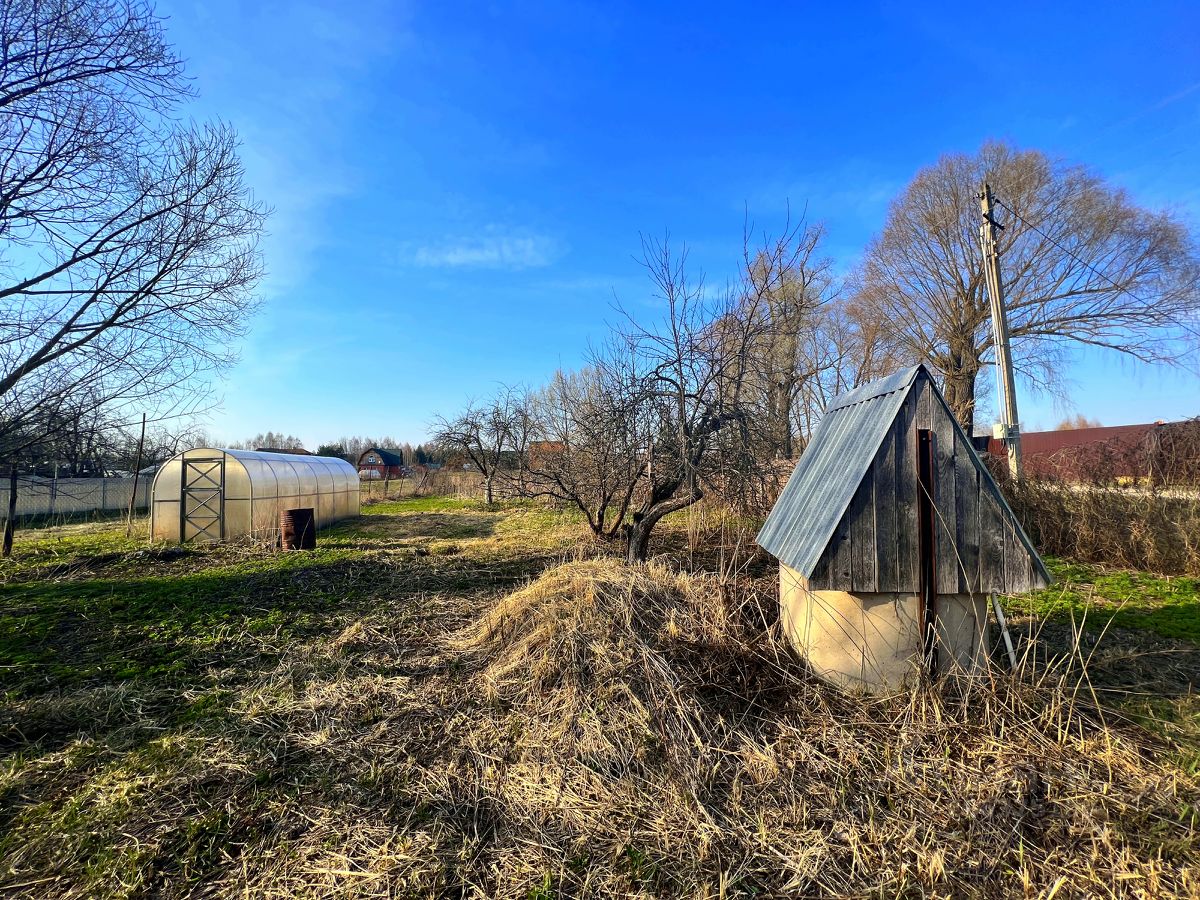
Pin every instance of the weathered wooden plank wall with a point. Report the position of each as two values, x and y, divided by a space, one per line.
875 547
862 535
842 570
991 546
883 470
967 521
905 436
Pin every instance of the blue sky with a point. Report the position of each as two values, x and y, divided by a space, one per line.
459 188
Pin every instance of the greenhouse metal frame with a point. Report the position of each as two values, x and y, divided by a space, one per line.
207 495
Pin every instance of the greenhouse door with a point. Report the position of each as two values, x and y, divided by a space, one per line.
201 506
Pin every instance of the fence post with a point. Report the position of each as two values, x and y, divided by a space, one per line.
12 510
137 470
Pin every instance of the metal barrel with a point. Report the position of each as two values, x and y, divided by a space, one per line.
298 529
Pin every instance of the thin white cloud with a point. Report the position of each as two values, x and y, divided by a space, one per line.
292 111
1177 96
489 251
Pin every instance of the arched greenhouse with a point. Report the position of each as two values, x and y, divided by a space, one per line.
207 495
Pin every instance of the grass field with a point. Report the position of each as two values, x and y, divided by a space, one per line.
1164 605
1140 636
449 699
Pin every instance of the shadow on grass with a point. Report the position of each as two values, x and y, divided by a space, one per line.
172 632
373 532
108 680
1121 662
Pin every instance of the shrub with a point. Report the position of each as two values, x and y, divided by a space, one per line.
1102 515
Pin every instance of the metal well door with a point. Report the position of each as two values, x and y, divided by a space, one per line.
202 504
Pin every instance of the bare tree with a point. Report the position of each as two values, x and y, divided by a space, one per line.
1076 422
521 431
842 351
587 449
690 382
1083 265
669 412
128 242
484 433
276 440
788 285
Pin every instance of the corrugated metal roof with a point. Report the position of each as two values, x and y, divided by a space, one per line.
807 513
889 384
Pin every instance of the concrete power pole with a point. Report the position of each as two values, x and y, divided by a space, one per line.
1008 429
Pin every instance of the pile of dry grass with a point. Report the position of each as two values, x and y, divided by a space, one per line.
647 734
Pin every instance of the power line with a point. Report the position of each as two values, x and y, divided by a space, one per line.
1087 265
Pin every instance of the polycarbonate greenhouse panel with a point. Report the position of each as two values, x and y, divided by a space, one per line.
209 494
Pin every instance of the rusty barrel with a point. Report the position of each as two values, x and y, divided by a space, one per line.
298 529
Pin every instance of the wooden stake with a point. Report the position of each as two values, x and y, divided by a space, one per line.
137 469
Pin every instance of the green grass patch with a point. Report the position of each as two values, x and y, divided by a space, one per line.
1168 606
89 604
1147 662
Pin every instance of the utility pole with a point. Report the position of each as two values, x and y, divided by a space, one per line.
1008 429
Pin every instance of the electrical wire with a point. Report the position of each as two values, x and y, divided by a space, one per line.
1091 268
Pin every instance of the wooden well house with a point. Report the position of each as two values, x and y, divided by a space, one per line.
890 535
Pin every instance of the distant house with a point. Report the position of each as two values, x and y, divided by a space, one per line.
295 451
375 462
542 454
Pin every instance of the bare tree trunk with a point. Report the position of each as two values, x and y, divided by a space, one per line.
638 540
960 393
488 482
638 533
779 412
12 510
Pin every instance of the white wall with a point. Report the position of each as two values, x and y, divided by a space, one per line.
873 642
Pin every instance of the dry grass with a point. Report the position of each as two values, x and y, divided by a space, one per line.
664 736
436 483
598 730
1101 514
1121 526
